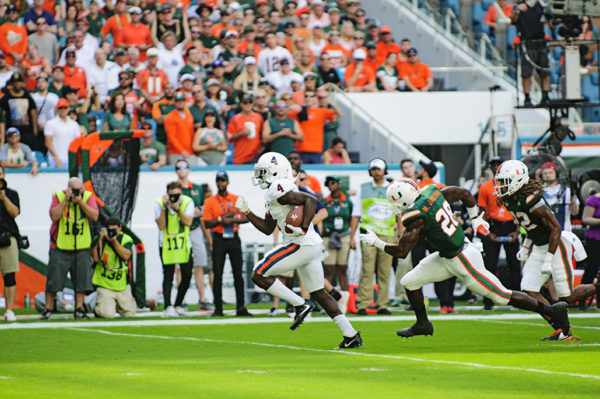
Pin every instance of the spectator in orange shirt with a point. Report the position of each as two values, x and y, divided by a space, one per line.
417 75
386 44
249 36
313 183
312 123
359 76
224 24
492 15
244 132
152 80
371 59
115 23
405 45
426 173
336 53
179 126
136 34
503 233
74 75
13 37
33 65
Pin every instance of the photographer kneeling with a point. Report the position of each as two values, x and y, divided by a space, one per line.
111 254
9 250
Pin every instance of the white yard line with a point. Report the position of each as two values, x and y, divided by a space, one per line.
358 353
270 320
575 327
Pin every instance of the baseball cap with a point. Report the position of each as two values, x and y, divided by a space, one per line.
222 175
377 163
284 61
496 159
152 52
12 131
217 63
187 76
247 96
180 96
230 33
385 29
333 9
412 51
55 67
135 10
120 51
82 21
371 44
429 167
332 178
62 103
297 79
317 3
249 61
66 89
261 2
213 82
548 165
11 8
248 28
71 50
17 77
309 74
234 6
146 125
359 54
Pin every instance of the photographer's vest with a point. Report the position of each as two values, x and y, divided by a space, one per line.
377 215
65 239
115 279
176 236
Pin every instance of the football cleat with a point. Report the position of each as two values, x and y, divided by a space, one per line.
351 342
416 329
560 316
46 314
301 312
558 335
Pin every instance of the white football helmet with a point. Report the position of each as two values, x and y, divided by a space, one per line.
271 166
402 194
510 177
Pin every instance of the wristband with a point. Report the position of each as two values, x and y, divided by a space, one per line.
473 213
526 243
380 244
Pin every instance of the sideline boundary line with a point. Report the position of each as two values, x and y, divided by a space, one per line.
349 353
268 320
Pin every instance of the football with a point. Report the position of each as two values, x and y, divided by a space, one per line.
294 218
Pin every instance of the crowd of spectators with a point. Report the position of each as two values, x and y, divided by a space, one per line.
206 75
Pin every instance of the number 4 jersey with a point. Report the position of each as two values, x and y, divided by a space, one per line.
441 230
522 211
279 213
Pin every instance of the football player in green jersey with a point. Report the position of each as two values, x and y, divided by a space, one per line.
427 212
553 253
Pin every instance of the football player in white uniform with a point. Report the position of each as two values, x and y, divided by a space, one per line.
300 250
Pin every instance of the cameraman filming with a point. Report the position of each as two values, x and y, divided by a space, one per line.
174 213
9 250
71 212
111 254
527 16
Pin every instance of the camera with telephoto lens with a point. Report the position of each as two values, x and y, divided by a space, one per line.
111 232
173 198
75 192
2 184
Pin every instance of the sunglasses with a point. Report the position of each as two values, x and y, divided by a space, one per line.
282 106
40 23
359 38
247 102
322 97
302 179
360 15
196 32
309 78
14 134
310 96
181 167
207 26
412 55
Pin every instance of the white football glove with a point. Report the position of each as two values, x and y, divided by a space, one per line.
242 206
371 239
547 265
480 226
296 231
523 253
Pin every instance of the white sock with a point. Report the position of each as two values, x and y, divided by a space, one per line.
281 291
343 324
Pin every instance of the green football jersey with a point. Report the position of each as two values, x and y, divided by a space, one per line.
521 211
441 230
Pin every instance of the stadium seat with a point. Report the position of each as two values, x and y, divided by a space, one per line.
451 4
487 3
478 13
41 159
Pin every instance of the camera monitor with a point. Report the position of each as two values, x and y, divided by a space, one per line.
575 7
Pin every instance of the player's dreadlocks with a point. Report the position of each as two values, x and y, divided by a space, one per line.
531 187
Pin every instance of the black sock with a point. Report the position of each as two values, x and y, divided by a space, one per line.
544 95
553 324
544 309
335 294
421 314
527 98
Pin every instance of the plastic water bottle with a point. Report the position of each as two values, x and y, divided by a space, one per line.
27 300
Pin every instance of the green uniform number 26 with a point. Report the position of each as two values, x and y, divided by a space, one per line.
444 217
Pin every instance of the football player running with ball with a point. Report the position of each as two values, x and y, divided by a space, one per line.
553 253
427 212
301 247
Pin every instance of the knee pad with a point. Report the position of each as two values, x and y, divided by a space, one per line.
406 282
9 280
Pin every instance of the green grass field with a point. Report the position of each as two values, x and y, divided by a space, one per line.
197 358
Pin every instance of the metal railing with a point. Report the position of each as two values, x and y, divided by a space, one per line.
479 46
408 151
